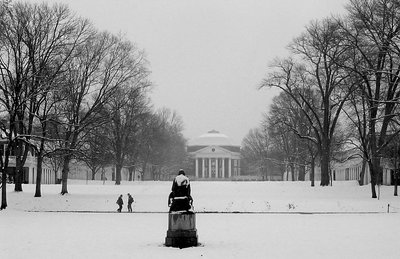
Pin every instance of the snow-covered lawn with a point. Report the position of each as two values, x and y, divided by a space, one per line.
278 222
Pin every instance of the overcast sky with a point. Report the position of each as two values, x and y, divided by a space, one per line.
207 57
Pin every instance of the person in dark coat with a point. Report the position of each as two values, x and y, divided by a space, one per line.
120 202
130 201
179 199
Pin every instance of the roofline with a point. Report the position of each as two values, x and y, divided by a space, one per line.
224 147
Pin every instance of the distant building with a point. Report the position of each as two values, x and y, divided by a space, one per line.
80 171
49 176
215 157
352 168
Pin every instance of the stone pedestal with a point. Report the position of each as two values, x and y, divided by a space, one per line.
181 230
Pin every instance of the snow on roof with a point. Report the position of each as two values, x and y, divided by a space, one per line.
211 138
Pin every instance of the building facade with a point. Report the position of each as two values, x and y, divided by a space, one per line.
215 157
351 170
30 167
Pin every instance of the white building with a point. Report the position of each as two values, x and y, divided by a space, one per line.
80 171
215 157
351 169
30 168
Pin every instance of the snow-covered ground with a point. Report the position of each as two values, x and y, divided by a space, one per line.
279 220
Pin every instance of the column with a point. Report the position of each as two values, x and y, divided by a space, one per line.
223 167
230 168
197 168
209 168
216 167
202 168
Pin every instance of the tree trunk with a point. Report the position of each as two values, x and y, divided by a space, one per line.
292 172
131 178
325 162
56 179
287 173
312 176
396 176
302 173
18 172
3 167
118 168
20 162
39 168
144 171
373 172
362 173
324 150
18 180
64 175
4 190
18 155
324 171
38 192
21 155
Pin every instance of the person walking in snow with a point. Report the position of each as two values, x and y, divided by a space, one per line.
180 199
120 202
130 201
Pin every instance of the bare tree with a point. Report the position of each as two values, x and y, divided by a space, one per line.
255 149
372 31
322 51
126 109
95 152
51 37
162 142
99 68
4 126
292 133
356 111
15 74
37 41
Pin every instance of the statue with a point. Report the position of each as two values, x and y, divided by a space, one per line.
182 230
180 200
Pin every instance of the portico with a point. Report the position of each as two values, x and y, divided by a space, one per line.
215 157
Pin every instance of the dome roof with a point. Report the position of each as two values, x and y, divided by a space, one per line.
212 138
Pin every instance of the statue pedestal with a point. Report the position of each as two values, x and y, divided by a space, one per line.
181 230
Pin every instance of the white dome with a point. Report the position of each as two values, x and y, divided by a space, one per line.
211 138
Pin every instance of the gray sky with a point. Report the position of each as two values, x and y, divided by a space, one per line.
208 57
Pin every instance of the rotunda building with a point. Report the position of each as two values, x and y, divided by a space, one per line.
215 156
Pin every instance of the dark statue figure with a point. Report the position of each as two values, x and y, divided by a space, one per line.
179 199
182 230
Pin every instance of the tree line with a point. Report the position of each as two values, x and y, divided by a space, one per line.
69 91
339 91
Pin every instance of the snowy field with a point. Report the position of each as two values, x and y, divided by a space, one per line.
234 220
